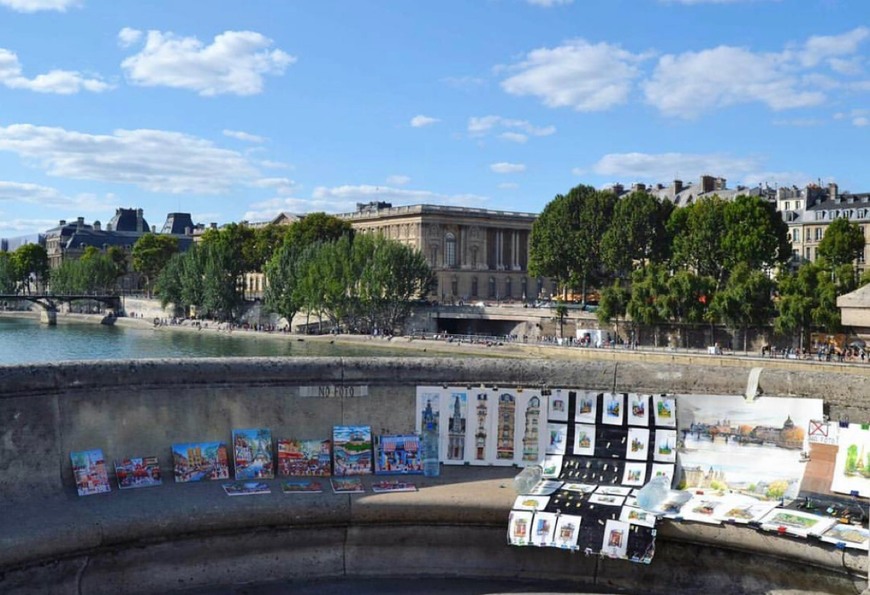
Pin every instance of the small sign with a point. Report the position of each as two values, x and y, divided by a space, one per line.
327 391
822 432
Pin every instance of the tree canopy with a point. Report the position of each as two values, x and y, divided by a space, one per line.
151 253
843 242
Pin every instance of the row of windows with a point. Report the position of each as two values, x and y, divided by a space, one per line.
494 289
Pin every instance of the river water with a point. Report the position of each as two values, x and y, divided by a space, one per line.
26 341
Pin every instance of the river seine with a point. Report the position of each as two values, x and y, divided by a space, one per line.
26 341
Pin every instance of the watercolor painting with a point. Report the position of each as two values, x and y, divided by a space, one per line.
352 450
613 410
428 399
347 485
638 410
665 411
665 449
305 458
520 527
398 455
138 473
634 474
853 536
252 451
558 437
558 405
89 471
567 531
615 543
637 445
586 408
454 438
392 485
301 486
665 469
795 522
246 488
200 461
531 502
743 509
506 428
531 439
543 528
852 466
584 440
480 442
637 516
607 499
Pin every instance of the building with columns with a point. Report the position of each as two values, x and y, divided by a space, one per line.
476 254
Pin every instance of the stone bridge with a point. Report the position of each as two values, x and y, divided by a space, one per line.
50 302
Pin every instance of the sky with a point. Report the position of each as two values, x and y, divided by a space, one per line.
238 111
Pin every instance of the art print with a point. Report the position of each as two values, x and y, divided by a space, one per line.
852 465
520 527
665 411
531 439
398 455
743 509
543 528
754 449
613 490
638 410
663 469
607 499
392 485
567 531
138 473
665 449
637 516
584 440
89 471
558 405
795 522
583 488
428 403
823 432
637 447
586 408
454 435
531 502
557 438
301 486
702 508
305 458
200 461
545 487
613 409
552 466
480 439
347 485
352 450
852 536
506 428
634 474
252 451
615 543
247 488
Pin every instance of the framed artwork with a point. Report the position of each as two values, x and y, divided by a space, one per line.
531 502
852 465
347 485
584 440
480 437
305 458
302 486
586 408
392 485
557 438
613 490
665 411
665 449
138 473
638 410
520 527
398 455
743 509
89 472
607 499
637 447
795 522
200 461
530 442
567 531
246 488
637 516
352 450
252 452
615 543
454 435
428 403
558 405
852 536
634 474
613 409
543 528
666 469
506 427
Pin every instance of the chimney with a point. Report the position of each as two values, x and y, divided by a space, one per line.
153 229
833 190
80 223
638 187
109 226
97 226
707 184
139 226
719 184
62 222
213 225
187 231
678 186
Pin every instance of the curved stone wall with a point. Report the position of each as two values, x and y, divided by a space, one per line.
115 542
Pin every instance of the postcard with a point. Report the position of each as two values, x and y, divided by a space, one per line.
246 488
743 509
613 490
352 450
428 406
558 437
531 502
545 487
200 461
852 466
399 454
252 450
634 474
305 458
567 531
615 543
89 471
584 488
543 528
665 469
138 473
301 486
665 449
519 527
665 411
853 536
586 408
795 522
392 485
702 508
453 440
607 499
558 405
638 444
552 466
638 410
584 440
637 516
613 410
347 485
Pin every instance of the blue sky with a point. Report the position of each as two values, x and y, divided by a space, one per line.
241 110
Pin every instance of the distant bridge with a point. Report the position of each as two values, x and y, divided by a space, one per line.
50 302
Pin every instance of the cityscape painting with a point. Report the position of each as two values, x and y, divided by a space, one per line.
305 457
252 451
200 461
352 450
89 471
138 473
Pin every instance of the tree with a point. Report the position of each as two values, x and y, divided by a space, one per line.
843 243
746 301
8 275
648 285
150 254
222 293
698 233
613 304
798 297
686 299
755 234
31 265
317 227
636 234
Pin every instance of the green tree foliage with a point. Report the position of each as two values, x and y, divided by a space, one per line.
30 263
746 301
613 304
93 273
808 299
754 234
842 244
636 234
8 274
686 299
222 284
698 231
181 282
317 227
648 286
150 254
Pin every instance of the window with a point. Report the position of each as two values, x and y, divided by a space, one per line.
433 256
809 253
474 286
492 287
796 235
524 285
474 257
454 287
787 206
818 233
508 288
450 250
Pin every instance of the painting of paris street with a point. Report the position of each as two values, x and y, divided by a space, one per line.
754 448
200 461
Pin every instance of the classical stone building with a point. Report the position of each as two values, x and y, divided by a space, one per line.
476 254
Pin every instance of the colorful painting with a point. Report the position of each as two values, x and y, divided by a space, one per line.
138 473
613 409
638 410
531 502
853 536
567 531
702 507
352 450
506 428
200 461
429 403
552 466
615 542
89 471
247 488
530 440
305 458
480 445
301 486
544 528
665 469
665 449
637 516
586 408
557 438
852 466
584 440
453 440
637 445
795 522
392 485
347 485
634 474
743 509
665 411
558 405
754 449
520 527
252 452
398 455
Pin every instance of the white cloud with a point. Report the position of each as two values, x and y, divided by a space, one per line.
580 75
420 121
281 186
820 48
61 82
269 164
508 186
37 5
514 137
480 126
48 197
234 63
244 136
507 168
398 180
549 3
129 36
17 226
156 160
861 121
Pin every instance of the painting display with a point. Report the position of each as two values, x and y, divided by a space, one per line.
586 408
506 427
352 450
454 435
795 522
528 502
301 486
743 509
252 454
398 455
138 473
304 458
200 461
552 466
637 516
246 488
852 465
544 528
615 542
558 405
429 403
638 410
519 527
665 411
347 485
637 448
557 438
751 448
89 471
531 439
613 410
584 440
665 446
480 439
852 536
567 531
